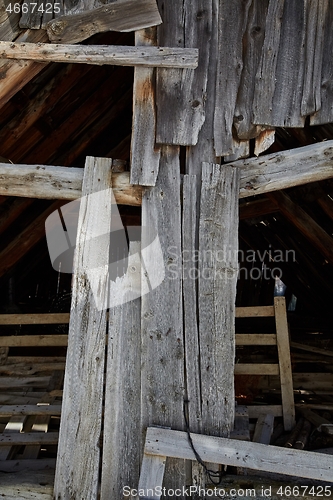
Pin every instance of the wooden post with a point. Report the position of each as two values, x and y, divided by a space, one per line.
80 428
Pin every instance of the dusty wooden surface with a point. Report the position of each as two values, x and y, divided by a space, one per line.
120 15
80 428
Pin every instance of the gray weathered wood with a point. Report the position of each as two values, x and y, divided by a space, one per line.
80 427
26 485
43 409
27 465
161 315
37 16
42 181
164 442
232 25
115 55
33 340
217 270
252 47
119 15
34 319
264 141
325 113
151 476
28 438
264 429
282 340
182 95
145 154
122 440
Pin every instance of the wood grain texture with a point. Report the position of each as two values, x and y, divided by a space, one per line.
264 429
37 16
161 314
122 439
217 270
145 154
119 15
181 94
80 426
164 442
44 409
232 25
115 55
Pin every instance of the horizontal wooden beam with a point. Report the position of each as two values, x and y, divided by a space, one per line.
115 55
254 311
34 319
255 338
256 369
27 465
34 340
260 457
28 438
11 410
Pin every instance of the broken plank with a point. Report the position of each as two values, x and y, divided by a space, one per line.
218 228
145 154
170 443
264 429
120 15
80 425
60 183
115 55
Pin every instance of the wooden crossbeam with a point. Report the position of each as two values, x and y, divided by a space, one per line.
42 409
115 55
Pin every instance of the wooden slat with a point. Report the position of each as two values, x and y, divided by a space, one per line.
164 442
257 208
218 227
318 382
264 429
15 382
121 15
28 438
255 338
145 154
80 426
254 311
257 410
161 315
115 55
232 25
151 476
34 340
34 319
41 409
29 465
256 369
123 439
282 338
310 348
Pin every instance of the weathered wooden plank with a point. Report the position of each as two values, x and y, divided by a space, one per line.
34 319
25 369
255 338
11 382
264 429
34 340
26 485
218 228
314 49
162 316
123 439
182 95
28 438
232 25
325 113
80 426
14 426
36 15
310 348
164 442
115 55
151 476
9 28
120 15
279 79
254 311
318 382
145 154
282 340
257 208
41 409
305 224
256 411
27 465
252 46
43 181
256 369
264 141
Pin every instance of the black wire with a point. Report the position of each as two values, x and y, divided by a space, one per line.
212 475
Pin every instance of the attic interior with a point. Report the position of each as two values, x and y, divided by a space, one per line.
68 112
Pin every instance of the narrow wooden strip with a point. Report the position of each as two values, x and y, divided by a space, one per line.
34 319
264 429
254 311
218 228
255 411
255 338
34 340
42 409
310 348
121 15
30 465
80 427
15 382
115 55
164 442
28 438
256 369
151 476
145 154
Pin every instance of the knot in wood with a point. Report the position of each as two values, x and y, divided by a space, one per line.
57 27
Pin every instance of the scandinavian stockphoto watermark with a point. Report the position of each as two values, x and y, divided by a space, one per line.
134 264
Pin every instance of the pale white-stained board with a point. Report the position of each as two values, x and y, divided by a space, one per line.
217 270
264 429
122 437
162 372
151 475
80 427
145 154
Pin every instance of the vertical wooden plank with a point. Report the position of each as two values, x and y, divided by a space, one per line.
162 372
122 438
282 340
218 266
151 476
264 429
181 94
80 426
145 155
325 113
232 25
